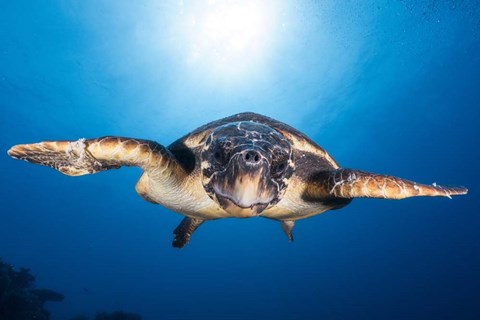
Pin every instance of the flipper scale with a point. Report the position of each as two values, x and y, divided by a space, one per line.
348 183
83 156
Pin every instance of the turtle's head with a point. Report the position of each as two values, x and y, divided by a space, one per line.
246 167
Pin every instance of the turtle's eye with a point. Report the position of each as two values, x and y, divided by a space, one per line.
278 168
279 162
221 156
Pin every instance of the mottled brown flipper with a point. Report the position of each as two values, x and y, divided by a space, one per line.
348 183
75 158
182 234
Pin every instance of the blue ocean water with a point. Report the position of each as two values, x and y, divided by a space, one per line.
386 86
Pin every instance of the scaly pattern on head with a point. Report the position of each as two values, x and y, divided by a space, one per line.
247 163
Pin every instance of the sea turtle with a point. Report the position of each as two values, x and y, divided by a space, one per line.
245 165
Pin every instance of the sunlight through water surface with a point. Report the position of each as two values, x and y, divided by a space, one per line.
229 37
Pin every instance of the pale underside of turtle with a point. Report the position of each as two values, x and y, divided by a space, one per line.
246 165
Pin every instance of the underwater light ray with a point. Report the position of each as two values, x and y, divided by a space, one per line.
229 38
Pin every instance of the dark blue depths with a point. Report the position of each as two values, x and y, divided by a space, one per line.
389 87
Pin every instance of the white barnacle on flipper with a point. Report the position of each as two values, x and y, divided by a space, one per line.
76 149
352 177
434 184
417 188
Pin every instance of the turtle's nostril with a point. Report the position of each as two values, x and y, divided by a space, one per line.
251 157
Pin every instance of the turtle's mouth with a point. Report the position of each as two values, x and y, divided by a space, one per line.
241 206
245 189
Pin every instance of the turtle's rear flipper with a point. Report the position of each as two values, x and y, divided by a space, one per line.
287 227
348 183
182 234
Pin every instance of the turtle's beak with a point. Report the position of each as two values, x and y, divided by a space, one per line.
245 188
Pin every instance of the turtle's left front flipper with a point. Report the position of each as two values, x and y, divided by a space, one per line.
348 183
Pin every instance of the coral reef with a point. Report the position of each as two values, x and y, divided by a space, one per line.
18 299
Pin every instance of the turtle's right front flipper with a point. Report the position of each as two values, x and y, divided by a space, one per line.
83 156
348 183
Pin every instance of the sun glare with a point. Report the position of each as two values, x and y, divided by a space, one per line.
226 36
